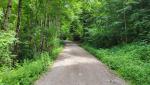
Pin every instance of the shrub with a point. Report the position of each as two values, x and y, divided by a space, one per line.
29 71
6 41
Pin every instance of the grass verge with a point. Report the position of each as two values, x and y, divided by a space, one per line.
27 73
131 61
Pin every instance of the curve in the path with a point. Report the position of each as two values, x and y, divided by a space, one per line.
75 66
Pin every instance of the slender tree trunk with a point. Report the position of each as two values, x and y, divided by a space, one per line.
41 23
7 15
18 25
125 23
19 17
41 36
45 19
48 21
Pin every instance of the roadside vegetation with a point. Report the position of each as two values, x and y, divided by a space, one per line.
29 71
131 61
29 39
116 31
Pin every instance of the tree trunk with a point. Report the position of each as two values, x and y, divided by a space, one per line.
7 15
125 24
46 20
18 26
19 17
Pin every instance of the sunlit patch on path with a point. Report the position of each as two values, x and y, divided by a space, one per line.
75 66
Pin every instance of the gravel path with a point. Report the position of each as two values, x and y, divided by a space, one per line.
75 66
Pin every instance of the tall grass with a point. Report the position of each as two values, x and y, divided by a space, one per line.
131 61
29 71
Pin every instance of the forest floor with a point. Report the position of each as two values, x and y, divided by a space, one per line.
75 66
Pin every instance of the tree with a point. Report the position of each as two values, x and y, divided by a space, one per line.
7 15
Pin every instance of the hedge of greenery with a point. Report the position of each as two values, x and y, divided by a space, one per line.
29 71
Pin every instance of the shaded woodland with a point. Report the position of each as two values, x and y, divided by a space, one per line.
32 32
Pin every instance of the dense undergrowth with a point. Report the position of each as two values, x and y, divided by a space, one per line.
29 71
6 40
132 61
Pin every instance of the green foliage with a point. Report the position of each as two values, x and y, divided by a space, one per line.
36 33
1 14
76 30
6 41
100 23
132 61
115 22
29 71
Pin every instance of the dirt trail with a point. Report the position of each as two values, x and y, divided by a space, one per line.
75 66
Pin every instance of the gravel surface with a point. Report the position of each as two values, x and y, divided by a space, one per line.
75 66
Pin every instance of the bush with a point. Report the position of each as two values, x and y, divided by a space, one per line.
6 41
29 71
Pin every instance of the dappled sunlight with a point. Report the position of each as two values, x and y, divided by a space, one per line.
72 55
32 33
74 60
75 66
67 50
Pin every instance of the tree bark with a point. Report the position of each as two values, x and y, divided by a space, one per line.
125 24
18 26
19 17
7 15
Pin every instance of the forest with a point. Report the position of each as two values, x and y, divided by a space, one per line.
117 32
